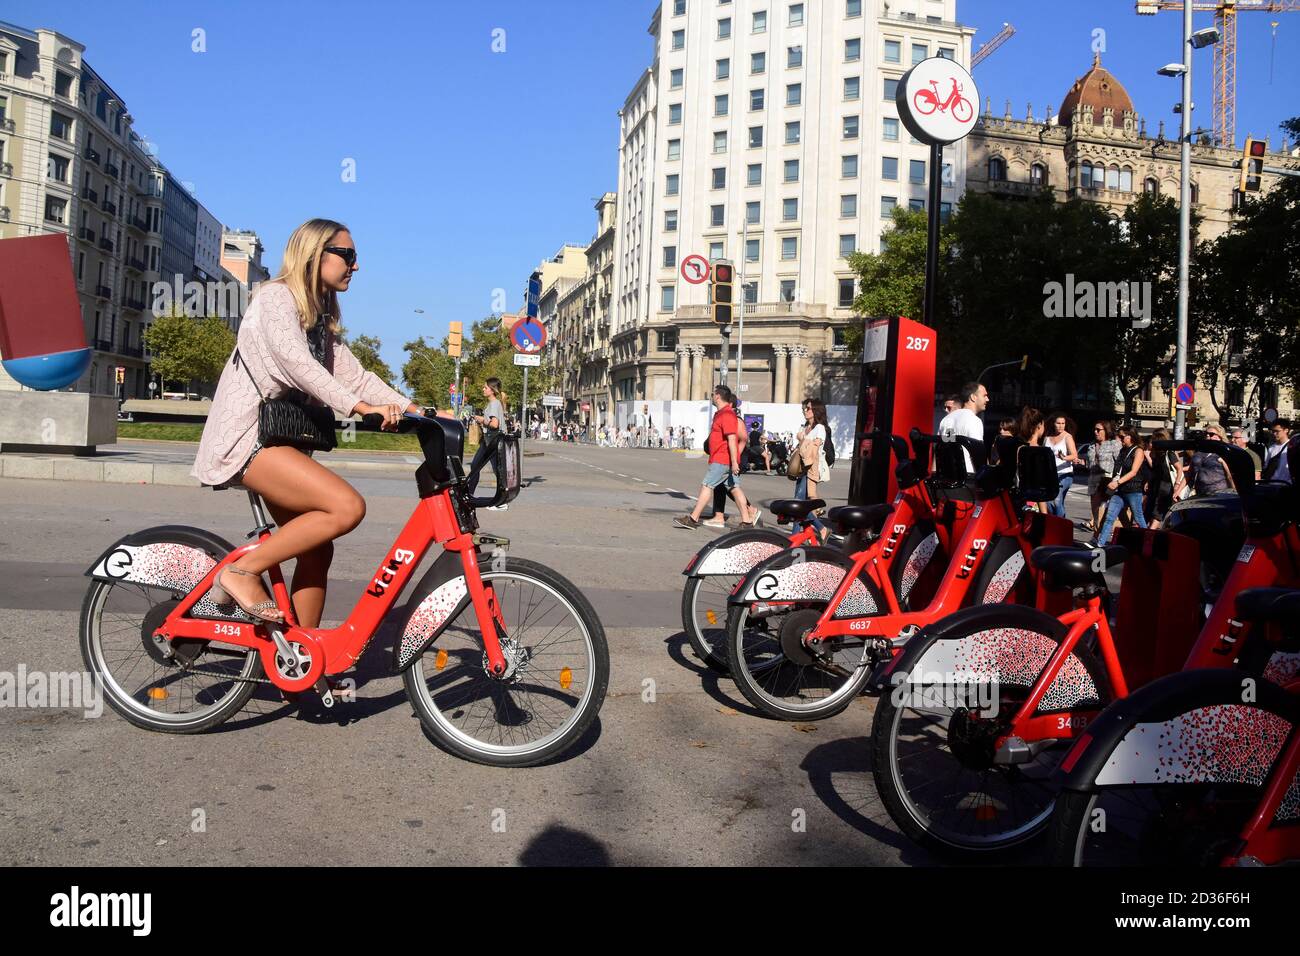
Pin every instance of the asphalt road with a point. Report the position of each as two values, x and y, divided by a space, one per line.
691 776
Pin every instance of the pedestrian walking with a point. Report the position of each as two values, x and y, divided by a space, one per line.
814 439
1061 441
724 462
1277 466
965 419
1129 477
1101 462
1166 470
1206 473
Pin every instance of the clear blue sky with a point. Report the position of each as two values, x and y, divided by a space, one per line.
472 165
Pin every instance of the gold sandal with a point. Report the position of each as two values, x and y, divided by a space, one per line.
223 598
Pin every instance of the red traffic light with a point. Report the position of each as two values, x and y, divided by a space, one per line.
1257 147
722 273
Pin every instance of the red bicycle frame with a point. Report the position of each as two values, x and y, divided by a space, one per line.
333 650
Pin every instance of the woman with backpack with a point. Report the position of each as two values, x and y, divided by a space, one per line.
817 453
1129 478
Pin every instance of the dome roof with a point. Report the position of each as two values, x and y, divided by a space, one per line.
1097 88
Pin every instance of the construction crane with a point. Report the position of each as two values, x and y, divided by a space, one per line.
1225 51
999 38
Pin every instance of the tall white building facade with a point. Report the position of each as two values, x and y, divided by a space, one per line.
765 132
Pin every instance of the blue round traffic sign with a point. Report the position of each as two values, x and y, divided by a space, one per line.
1185 394
528 336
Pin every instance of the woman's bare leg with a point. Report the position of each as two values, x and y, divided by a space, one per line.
310 574
327 507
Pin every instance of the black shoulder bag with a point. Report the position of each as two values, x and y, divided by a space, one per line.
292 420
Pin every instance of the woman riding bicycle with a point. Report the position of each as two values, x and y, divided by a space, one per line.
288 341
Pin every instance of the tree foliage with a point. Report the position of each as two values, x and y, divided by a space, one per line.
188 350
366 349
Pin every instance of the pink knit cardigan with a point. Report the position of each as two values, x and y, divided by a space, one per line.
273 346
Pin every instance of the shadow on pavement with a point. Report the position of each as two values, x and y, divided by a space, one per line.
560 846
710 680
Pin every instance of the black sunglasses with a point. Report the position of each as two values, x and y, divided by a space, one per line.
347 255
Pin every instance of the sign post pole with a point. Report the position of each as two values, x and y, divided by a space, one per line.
932 234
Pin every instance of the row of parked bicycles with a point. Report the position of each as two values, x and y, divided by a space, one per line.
1019 700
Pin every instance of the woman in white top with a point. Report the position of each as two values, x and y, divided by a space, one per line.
812 440
1061 441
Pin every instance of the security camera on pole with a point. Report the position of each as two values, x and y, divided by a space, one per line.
936 101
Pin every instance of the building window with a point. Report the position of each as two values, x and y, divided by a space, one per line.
1112 178
674 149
916 205
893 51
666 339
670 220
792 133
919 52
756 99
848 167
755 137
789 247
796 14
1091 177
667 298
789 209
890 89
1038 174
850 127
852 8
889 167
793 94
916 170
57 168
1151 187
947 52
724 28
845 302
673 184
722 69
889 129
670 257
758 63
945 210
1126 180
1196 193
55 209
715 251
852 87
751 293
720 141
717 215
754 174
679 7
792 170
751 250
852 50
679 39
721 104
760 21
720 177
794 57
675 79
847 244
848 206
62 84
887 204
787 290
674 114
60 126
753 210
997 169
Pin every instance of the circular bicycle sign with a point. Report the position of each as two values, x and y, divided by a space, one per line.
695 269
937 101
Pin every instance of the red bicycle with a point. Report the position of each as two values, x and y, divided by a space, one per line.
504 660
807 627
915 547
927 101
982 707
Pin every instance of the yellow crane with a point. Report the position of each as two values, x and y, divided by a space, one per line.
1225 51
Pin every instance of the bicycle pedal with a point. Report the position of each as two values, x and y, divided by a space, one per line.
326 695
491 541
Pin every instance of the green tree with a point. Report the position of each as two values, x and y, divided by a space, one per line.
428 373
366 349
188 350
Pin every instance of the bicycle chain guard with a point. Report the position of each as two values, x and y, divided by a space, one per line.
304 643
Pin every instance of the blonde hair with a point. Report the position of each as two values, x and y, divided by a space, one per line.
300 272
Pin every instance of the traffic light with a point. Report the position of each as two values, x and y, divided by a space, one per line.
121 375
723 273
453 340
1252 165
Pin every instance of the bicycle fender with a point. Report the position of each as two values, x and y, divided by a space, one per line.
805 575
1199 726
439 595
736 552
177 557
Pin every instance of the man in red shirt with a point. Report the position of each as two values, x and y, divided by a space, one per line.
724 462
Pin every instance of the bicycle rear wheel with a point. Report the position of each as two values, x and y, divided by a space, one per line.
557 672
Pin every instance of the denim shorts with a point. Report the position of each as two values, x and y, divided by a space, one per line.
719 475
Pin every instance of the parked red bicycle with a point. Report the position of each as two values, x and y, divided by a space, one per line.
981 708
503 659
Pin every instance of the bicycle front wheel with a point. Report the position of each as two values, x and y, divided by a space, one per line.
557 672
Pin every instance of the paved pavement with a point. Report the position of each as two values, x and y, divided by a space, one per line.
678 770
